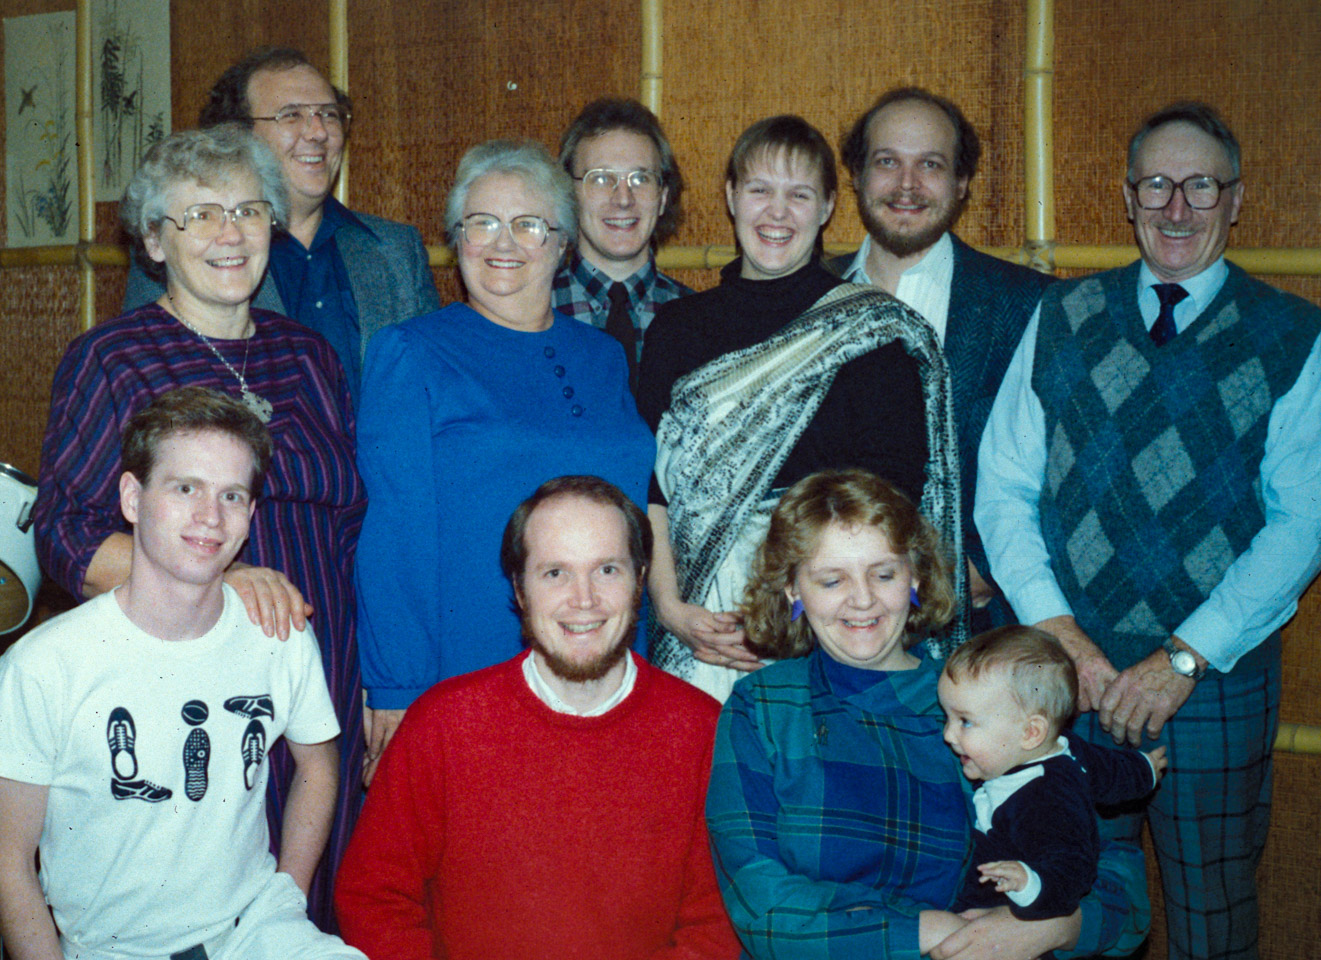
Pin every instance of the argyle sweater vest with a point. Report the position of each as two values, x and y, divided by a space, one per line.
1152 484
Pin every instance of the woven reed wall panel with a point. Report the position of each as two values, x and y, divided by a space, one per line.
1289 881
727 65
1259 63
432 79
40 307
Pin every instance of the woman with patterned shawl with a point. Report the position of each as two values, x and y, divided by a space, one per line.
780 371
202 206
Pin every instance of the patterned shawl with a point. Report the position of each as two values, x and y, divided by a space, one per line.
732 423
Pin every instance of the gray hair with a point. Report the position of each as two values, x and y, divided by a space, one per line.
204 156
525 159
1200 115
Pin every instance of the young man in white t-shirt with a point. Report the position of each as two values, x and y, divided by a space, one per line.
134 730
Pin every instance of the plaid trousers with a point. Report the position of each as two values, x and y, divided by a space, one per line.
1210 816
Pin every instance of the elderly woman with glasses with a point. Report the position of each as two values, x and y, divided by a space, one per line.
202 207
464 413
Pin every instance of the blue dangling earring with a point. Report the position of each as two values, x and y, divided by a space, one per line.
912 597
796 611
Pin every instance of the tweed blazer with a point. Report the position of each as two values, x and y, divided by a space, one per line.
387 267
990 302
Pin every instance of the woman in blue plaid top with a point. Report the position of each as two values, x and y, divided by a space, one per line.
839 817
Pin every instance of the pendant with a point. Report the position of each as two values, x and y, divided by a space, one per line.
260 406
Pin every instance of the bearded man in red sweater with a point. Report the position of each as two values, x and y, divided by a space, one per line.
550 807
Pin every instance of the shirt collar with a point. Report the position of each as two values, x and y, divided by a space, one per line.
596 283
334 215
938 255
550 698
1202 288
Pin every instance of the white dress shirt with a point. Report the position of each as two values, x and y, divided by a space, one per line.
924 286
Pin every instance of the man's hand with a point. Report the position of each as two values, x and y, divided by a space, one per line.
999 935
270 598
1094 671
715 638
378 726
1144 697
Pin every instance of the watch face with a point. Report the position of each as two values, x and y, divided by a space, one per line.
1183 662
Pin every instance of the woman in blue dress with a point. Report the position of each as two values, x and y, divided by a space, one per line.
465 412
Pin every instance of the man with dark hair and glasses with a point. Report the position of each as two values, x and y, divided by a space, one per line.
342 273
628 188
1148 493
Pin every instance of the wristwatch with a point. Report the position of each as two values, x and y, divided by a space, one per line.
1182 661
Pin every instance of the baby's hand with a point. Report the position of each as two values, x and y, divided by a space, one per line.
1158 761
1005 874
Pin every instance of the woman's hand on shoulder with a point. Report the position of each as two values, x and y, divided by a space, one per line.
715 638
999 935
270 598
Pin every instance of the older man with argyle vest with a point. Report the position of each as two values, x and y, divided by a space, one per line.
1150 492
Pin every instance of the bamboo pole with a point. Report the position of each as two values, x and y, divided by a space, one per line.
339 76
1298 738
1039 133
652 48
86 165
1267 261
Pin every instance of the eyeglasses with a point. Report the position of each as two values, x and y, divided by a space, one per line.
206 221
528 231
1202 193
644 183
297 116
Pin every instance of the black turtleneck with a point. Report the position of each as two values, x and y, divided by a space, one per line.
873 415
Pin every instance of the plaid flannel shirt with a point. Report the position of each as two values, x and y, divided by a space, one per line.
582 292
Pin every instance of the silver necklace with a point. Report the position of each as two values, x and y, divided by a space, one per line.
259 405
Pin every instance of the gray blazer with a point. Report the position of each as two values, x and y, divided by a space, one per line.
387 267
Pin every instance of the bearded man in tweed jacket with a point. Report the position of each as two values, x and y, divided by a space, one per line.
1150 492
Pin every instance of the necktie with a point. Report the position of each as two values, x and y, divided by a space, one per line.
1164 330
619 325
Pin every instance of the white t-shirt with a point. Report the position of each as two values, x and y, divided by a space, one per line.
155 755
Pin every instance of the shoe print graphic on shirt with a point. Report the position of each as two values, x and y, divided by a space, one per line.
254 749
120 734
139 790
196 755
252 707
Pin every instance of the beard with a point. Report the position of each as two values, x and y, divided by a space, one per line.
905 244
585 671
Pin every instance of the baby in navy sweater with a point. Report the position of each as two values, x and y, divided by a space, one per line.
1008 694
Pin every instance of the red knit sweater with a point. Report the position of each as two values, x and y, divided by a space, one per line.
497 829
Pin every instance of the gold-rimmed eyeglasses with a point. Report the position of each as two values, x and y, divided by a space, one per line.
645 184
297 116
206 221
528 231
